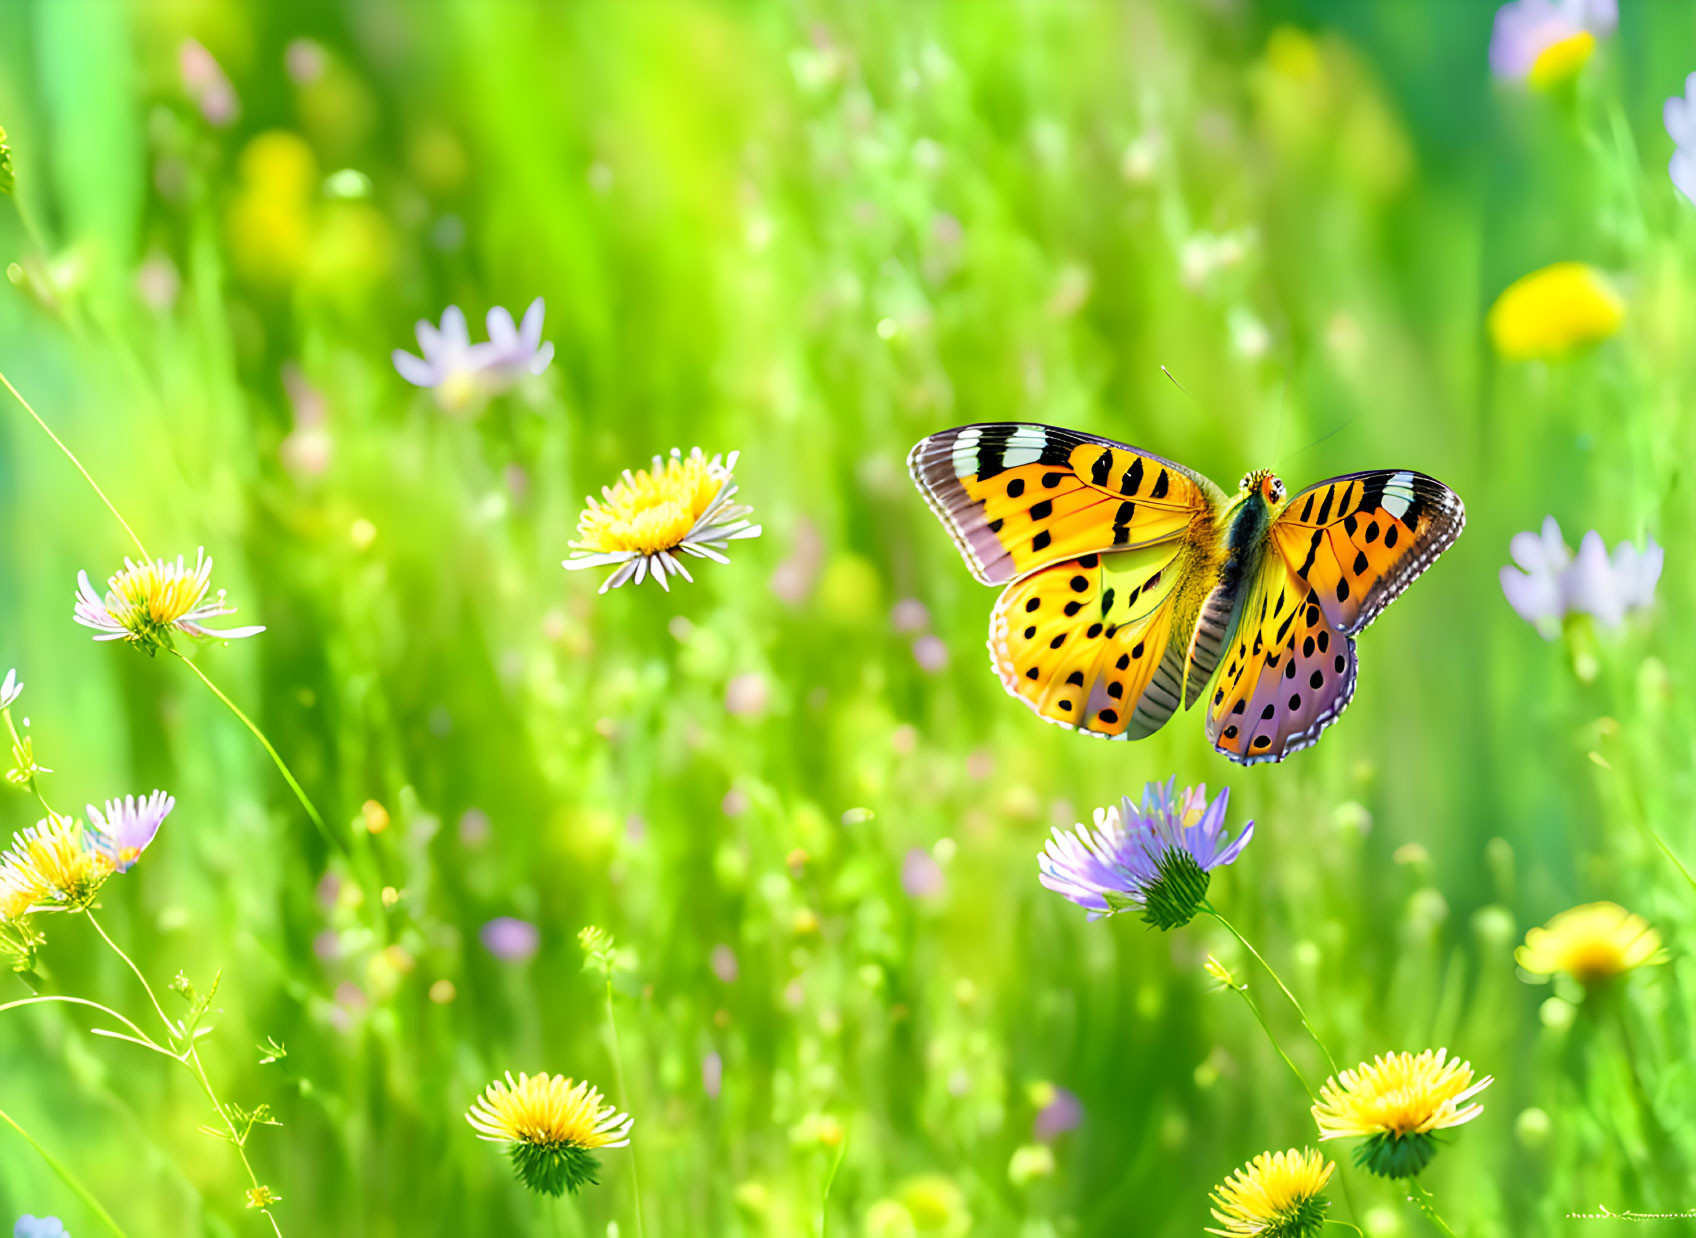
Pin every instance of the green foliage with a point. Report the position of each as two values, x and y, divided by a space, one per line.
816 233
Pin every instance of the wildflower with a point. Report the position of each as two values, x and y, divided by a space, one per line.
1679 116
53 860
1031 1162
206 82
921 875
1276 1195
1159 857
147 603
450 363
1220 973
1397 1101
262 1197
20 891
30 1226
1546 42
1550 583
1058 1110
1592 944
680 505
510 939
1554 311
513 352
11 690
127 826
551 1125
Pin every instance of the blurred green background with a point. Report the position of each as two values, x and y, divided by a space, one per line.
816 232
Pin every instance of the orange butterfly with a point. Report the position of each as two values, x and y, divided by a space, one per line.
1131 578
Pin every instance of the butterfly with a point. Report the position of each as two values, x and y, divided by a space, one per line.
1130 579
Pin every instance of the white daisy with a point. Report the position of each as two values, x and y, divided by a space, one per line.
647 520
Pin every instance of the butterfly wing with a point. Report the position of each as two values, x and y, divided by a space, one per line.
1089 643
1288 675
1337 555
1017 497
1361 539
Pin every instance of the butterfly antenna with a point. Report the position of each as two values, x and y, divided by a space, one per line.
1316 442
1175 382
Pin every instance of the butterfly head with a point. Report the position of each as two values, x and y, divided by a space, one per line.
1265 483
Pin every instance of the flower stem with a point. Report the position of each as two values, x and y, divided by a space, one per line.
141 1037
239 1141
288 777
65 1176
1426 1203
830 1181
624 1096
171 1029
1247 945
71 456
1242 991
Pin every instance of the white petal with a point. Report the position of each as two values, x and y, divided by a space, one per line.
415 370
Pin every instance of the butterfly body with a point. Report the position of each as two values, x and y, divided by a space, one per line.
1130 580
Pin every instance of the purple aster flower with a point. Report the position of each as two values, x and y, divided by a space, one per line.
127 827
1158 857
1549 582
450 362
509 938
921 875
514 351
1547 41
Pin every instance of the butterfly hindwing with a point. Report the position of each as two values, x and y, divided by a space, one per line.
1088 643
1361 539
1017 496
1288 673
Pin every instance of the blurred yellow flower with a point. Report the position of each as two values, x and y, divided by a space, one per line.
936 1205
550 1124
1560 61
269 221
1292 53
54 862
1276 1195
1592 944
1397 1100
1553 311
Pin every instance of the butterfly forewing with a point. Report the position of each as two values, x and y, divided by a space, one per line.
1288 672
1017 496
1360 540
1087 643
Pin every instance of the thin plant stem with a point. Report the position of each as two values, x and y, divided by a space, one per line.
1427 1204
624 1096
276 757
71 456
171 1028
1302 1014
1254 1006
18 747
239 1141
830 1181
1346 1225
66 1176
142 1037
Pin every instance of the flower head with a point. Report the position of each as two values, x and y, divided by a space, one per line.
54 862
11 690
147 603
1397 1101
1159 857
463 374
1276 1195
1554 311
550 1125
1679 116
1545 42
1592 944
1551 583
509 938
645 521
125 829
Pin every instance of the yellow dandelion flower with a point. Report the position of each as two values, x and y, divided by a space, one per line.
643 523
146 603
1276 1195
1592 944
1396 1101
54 861
1554 311
550 1124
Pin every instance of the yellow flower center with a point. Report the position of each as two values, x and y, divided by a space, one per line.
155 595
1561 61
651 510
